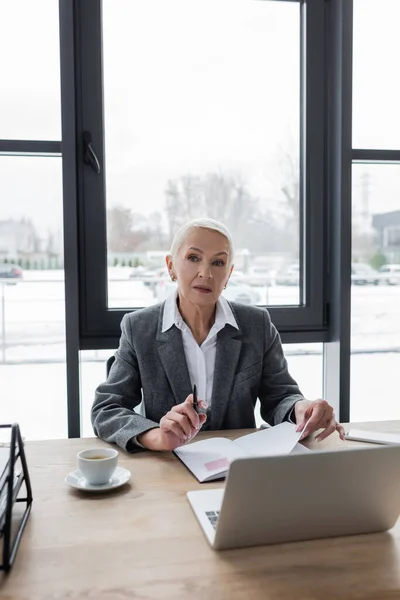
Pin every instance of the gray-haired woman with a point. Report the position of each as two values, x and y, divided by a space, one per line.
231 352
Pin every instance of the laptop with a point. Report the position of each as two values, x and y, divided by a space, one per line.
270 500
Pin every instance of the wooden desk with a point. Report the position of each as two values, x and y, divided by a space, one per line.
143 542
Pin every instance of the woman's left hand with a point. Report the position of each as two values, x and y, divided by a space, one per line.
319 415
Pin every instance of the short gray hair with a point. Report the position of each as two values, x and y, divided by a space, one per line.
203 223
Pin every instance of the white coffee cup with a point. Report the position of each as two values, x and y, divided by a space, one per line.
98 464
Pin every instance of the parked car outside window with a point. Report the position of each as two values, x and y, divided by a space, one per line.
390 274
257 275
363 274
10 273
289 275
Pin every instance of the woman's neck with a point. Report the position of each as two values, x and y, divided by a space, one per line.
199 319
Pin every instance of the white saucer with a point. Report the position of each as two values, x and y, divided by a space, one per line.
76 480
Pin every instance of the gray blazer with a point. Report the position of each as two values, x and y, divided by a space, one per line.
249 364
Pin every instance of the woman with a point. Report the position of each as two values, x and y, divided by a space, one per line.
232 353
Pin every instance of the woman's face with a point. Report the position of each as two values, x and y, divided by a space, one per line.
202 266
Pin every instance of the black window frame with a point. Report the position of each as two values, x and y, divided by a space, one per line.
329 42
99 326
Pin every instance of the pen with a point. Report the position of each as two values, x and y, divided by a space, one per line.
195 404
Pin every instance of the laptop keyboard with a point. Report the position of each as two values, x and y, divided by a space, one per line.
213 517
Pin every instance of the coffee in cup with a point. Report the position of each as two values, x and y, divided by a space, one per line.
98 465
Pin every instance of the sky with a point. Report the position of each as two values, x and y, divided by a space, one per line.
189 87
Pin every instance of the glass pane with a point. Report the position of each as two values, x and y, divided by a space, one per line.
305 363
375 316
30 70
32 299
93 370
376 87
202 111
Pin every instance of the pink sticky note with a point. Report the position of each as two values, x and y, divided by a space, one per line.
216 465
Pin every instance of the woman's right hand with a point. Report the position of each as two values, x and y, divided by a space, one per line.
178 426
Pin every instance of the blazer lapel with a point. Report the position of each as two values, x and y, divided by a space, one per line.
226 360
172 355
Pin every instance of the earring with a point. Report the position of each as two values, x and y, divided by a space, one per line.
173 278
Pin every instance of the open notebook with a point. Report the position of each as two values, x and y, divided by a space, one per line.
210 459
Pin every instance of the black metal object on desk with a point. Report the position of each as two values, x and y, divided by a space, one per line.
10 485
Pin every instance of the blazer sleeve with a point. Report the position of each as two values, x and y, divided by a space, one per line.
113 416
279 392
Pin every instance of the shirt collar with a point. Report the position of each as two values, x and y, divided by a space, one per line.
223 314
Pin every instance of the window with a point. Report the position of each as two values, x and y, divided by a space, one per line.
32 295
30 70
199 132
93 370
375 209
305 363
376 90
32 298
264 82
216 130
375 313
